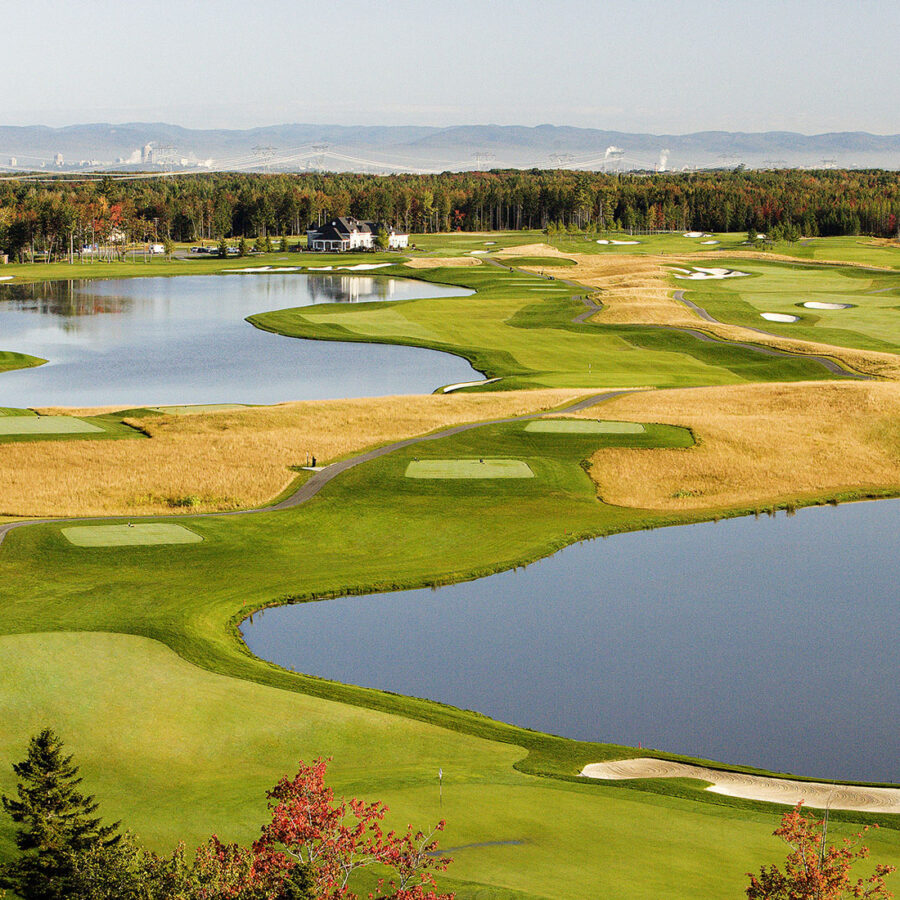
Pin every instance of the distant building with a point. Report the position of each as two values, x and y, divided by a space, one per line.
58 159
13 161
347 233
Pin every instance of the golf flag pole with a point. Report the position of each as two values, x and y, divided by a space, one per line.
441 786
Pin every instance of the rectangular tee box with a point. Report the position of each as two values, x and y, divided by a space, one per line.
583 426
468 468
125 535
45 425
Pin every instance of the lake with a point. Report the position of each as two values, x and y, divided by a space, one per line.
770 642
155 341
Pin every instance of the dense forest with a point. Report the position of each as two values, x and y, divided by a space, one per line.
57 218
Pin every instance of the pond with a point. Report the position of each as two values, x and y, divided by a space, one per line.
770 642
154 341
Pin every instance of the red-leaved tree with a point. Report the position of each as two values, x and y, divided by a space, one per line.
815 870
311 847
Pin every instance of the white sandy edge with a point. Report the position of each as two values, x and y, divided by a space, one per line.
701 274
617 243
7 277
780 317
461 384
819 304
755 787
693 234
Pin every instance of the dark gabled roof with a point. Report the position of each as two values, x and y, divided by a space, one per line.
327 232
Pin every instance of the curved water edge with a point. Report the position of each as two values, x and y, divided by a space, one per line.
184 339
770 642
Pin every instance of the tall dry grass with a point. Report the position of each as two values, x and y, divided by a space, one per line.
224 460
756 444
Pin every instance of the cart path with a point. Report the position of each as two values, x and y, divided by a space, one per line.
305 492
833 366
818 794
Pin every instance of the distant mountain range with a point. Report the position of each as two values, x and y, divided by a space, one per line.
291 148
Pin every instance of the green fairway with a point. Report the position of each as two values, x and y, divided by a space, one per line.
872 321
183 752
468 468
583 426
46 425
129 535
508 330
10 361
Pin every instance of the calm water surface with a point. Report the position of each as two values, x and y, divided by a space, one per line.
771 642
151 341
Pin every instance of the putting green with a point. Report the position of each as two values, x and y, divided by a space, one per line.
468 468
199 408
129 535
583 426
45 425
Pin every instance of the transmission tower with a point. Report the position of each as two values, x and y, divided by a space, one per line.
265 155
481 157
320 150
558 160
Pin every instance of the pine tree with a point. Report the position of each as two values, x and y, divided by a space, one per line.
56 822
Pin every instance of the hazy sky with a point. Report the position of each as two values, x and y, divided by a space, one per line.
633 65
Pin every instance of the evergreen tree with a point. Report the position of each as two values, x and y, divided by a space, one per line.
56 822
223 248
242 247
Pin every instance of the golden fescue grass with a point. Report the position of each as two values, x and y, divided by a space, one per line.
437 262
533 250
635 290
756 445
224 460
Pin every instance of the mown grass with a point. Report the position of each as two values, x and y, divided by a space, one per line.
111 425
188 744
872 323
10 360
508 330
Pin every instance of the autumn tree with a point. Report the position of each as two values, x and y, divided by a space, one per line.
814 869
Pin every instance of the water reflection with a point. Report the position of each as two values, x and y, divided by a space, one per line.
148 341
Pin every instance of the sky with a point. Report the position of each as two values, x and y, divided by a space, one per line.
632 65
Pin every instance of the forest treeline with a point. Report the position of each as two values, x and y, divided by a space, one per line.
57 218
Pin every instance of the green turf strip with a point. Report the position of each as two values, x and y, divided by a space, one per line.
468 468
584 426
199 408
45 425
129 535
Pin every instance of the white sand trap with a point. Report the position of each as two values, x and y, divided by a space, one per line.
693 234
755 787
478 252
489 243
461 384
320 268
198 408
624 243
129 535
468 468
7 277
45 425
819 304
364 267
701 274
251 270
602 241
286 269
583 426
709 242
780 317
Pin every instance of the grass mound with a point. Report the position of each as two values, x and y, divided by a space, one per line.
198 408
583 426
45 425
468 468
129 535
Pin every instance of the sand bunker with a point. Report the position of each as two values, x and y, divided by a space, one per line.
709 242
489 243
468 468
618 243
6 277
438 262
463 384
818 304
364 267
478 252
583 426
755 787
780 317
693 234
45 425
129 535
701 274
320 268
